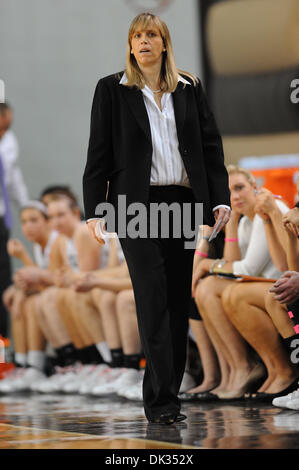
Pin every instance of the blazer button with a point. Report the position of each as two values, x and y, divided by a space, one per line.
185 151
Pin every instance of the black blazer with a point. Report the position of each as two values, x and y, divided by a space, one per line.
120 147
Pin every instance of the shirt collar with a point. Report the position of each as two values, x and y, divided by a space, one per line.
124 79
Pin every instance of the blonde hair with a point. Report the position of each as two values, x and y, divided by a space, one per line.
169 71
233 169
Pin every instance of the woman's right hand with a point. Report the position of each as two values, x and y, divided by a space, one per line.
92 230
15 248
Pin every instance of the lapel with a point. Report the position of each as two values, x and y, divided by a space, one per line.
179 104
134 98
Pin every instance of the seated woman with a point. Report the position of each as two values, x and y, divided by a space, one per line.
246 252
281 303
28 339
74 250
253 312
113 297
86 340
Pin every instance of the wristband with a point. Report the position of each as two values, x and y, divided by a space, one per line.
231 239
200 253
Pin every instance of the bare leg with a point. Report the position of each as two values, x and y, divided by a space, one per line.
127 319
233 346
50 320
42 322
208 357
279 316
106 301
86 315
68 312
35 338
225 371
18 325
246 309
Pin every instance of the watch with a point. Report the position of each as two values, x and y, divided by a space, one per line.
219 263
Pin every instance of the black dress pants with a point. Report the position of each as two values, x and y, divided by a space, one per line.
5 275
161 274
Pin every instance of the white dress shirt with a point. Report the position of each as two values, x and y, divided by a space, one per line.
167 164
16 188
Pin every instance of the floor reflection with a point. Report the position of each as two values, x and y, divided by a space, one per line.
214 425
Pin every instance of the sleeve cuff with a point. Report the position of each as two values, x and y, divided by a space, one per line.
94 218
221 205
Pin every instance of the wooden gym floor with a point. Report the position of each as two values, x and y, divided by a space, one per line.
74 422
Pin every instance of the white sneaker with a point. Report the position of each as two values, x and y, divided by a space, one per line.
53 383
38 386
35 385
282 401
128 378
293 404
73 385
93 378
133 393
10 376
108 376
24 382
188 382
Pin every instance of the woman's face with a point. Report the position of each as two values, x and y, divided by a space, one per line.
241 193
61 217
34 225
147 45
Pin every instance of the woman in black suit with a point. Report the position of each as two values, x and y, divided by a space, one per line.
154 139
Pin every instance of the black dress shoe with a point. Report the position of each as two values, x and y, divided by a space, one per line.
165 418
268 397
180 417
198 397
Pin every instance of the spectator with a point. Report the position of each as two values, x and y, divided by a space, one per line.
12 188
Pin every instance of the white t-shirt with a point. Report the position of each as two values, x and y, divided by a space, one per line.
256 259
42 258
